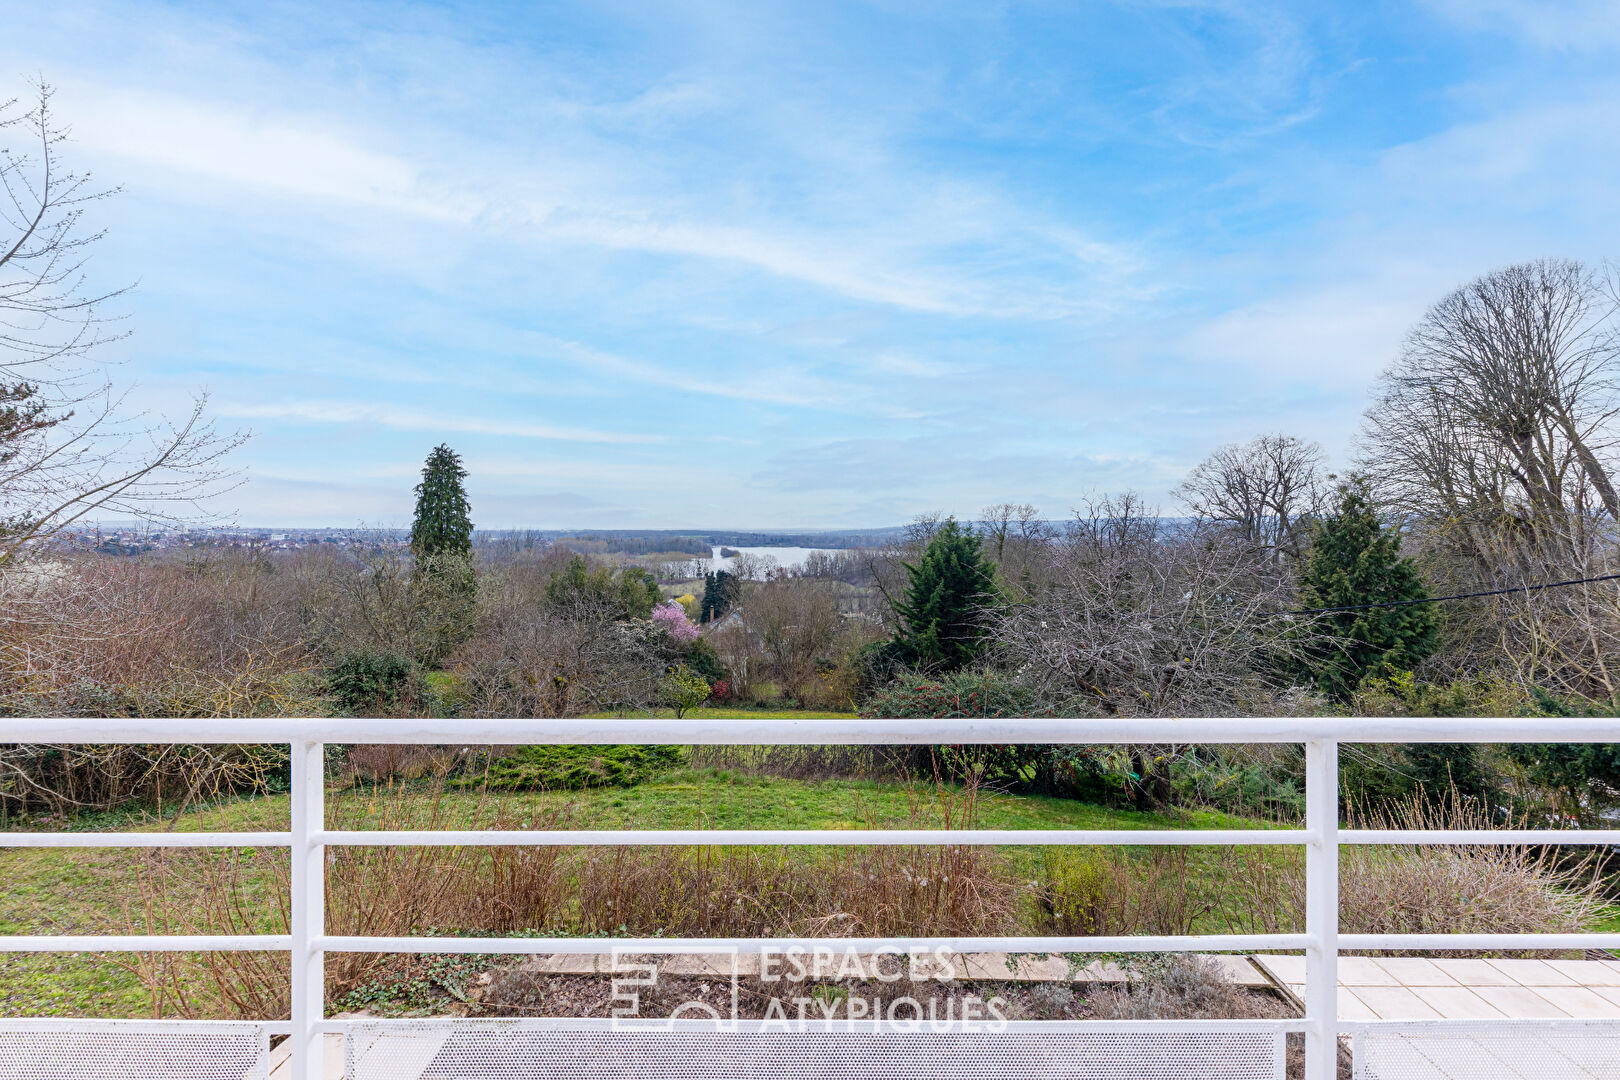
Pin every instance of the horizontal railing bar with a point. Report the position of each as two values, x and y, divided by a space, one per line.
672 946
1479 836
144 840
145 943
780 837
789 732
1474 942
120 1023
604 1023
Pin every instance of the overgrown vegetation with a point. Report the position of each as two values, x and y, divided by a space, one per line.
566 768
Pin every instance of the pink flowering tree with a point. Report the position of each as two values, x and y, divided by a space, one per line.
672 617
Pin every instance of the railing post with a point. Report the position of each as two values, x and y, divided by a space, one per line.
308 966
1322 910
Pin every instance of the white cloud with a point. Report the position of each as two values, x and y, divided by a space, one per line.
903 241
250 149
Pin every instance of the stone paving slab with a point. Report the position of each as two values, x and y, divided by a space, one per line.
1418 988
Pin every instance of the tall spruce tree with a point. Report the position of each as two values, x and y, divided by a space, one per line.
947 591
1355 560
442 525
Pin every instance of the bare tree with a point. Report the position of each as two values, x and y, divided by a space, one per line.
1144 620
1494 434
1266 490
1015 537
796 621
1499 414
536 653
69 447
1135 618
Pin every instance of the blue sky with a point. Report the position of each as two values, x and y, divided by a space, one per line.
801 265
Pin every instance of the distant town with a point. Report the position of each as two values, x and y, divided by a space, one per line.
135 538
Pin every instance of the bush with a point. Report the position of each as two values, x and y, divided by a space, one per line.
701 658
370 681
684 689
1063 770
570 768
881 891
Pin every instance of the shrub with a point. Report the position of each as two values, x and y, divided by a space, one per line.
570 768
1444 889
370 681
963 694
684 689
1066 770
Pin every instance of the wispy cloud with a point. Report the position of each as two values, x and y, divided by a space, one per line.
804 263
252 150
337 412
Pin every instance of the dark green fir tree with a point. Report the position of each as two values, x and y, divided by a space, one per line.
1355 560
443 525
947 592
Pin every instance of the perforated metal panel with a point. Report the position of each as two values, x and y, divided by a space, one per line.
1489 1050
113 1050
517 1050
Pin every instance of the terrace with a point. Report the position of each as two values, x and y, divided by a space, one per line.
317 1045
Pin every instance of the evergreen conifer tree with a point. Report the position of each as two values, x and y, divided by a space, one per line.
946 593
1355 560
442 525
719 592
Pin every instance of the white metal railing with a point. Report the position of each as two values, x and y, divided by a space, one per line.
308 838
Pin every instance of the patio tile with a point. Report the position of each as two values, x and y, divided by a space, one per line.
1588 972
1351 1007
1475 973
1579 1001
1412 971
1396 1003
1365 971
1532 972
1519 1002
1288 969
1459 1003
